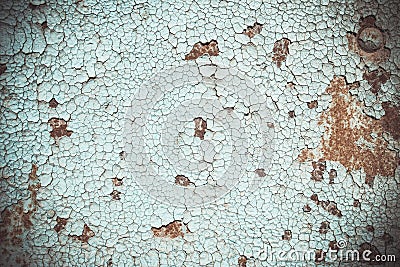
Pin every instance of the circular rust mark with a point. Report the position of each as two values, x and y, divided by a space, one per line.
370 39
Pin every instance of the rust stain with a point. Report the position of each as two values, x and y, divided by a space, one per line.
287 235
32 175
117 181
312 104
329 206
53 103
59 128
391 121
324 228
260 172
199 49
172 230
354 139
319 168
252 31
3 68
115 194
369 41
242 261
182 180
332 176
376 78
16 220
61 222
280 50
200 127
87 233
305 155
319 256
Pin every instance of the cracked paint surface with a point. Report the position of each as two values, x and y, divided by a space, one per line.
259 127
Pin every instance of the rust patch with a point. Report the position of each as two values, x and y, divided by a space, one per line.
319 256
332 176
280 50
3 68
306 208
182 180
376 78
117 181
242 261
348 136
312 104
200 127
356 203
324 228
53 103
319 168
333 245
115 194
252 31
370 228
87 233
59 128
61 222
369 42
270 125
260 172
32 175
291 114
199 49
287 235
305 155
172 230
329 206
15 221
391 121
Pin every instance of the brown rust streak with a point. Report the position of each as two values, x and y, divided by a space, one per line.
345 125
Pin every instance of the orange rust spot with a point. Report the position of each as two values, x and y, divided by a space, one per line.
200 127
348 137
329 206
305 155
87 233
59 128
199 49
287 235
117 181
61 222
312 104
376 78
369 42
53 103
324 228
182 180
391 121
280 50
171 230
252 31
319 256
319 168
242 261
260 172
32 175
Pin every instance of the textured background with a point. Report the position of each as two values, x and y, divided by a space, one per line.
70 71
